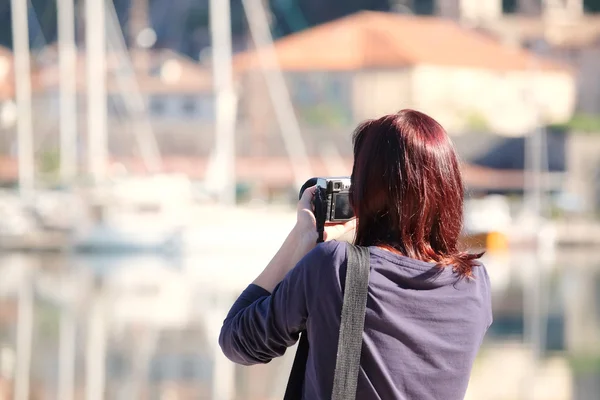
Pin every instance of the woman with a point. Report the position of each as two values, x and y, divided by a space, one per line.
428 305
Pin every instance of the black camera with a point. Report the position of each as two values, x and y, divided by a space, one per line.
331 202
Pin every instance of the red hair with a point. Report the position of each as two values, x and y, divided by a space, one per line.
407 190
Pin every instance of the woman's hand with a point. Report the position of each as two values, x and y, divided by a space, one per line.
306 222
343 231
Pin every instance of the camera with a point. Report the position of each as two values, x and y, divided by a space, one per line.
331 202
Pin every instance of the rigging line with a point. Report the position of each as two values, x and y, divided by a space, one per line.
131 93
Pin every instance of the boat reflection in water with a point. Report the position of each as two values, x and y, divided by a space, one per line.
162 314
545 339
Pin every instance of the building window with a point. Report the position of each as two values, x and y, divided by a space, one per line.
190 105
188 369
424 7
526 7
208 108
303 90
157 105
335 89
509 6
155 71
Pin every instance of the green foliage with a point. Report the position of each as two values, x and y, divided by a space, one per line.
325 115
475 121
49 163
585 363
585 123
47 320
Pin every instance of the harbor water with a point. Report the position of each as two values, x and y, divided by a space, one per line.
162 315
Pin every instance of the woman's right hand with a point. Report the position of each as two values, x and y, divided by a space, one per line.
340 231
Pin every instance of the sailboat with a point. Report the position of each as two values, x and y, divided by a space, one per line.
136 214
126 213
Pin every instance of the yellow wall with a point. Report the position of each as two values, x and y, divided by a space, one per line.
380 92
507 102
459 98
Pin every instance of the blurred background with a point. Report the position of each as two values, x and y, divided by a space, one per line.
151 152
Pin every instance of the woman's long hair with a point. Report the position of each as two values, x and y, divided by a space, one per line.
407 190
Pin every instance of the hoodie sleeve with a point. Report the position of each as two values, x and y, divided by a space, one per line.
261 325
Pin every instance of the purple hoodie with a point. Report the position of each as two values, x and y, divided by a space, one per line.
423 325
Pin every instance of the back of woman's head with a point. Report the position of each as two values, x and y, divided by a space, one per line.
407 189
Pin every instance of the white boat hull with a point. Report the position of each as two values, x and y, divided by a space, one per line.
111 240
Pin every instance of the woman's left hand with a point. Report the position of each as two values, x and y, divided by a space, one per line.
307 224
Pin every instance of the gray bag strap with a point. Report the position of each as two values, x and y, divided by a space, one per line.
352 323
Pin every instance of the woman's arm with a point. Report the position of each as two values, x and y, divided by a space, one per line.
270 313
261 325
301 240
296 245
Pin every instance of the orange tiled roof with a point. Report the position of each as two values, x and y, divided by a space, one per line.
376 39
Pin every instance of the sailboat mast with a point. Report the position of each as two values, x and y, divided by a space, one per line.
68 172
22 73
225 97
96 88
68 99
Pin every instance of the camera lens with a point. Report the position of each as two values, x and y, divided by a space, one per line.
337 185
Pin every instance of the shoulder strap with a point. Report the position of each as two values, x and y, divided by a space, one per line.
293 391
352 323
